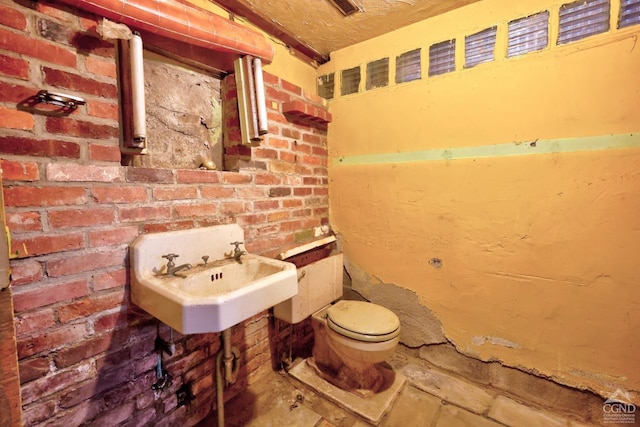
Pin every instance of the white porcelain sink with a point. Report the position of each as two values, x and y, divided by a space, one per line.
207 297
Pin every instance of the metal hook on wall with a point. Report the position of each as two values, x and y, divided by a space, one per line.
60 99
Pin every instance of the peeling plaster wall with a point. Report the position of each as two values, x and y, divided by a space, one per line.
522 245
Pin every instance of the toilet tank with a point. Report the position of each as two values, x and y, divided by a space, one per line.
319 267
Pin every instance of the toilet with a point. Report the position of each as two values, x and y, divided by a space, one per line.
352 339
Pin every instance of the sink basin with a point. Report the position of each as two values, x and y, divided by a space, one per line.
211 296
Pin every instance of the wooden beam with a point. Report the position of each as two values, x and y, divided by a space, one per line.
301 49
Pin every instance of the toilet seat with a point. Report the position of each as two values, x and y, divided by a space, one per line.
363 321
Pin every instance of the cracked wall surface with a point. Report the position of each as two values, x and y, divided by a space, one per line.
525 258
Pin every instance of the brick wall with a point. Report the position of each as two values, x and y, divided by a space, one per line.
85 352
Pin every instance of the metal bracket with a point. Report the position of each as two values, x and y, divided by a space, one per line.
60 99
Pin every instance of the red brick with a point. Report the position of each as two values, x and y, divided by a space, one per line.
10 92
217 192
110 321
291 203
61 379
234 207
319 151
267 179
14 119
110 279
119 194
291 133
55 11
91 305
87 43
277 142
12 18
235 178
63 79
302 148
44 296
174 225
35 48
14 67
266 205
40 245
44 196
40 148
270 79
145 213
164 176
78 128
311 138
35 414
185 211
278 216
197 176
69 218
19 171
112 236
34 368
88 173
105 110
105 153
34 321
265 153
251 192
175 193
287 157
101 66
291 87
24 221
275 94
27 271
85 262
84 350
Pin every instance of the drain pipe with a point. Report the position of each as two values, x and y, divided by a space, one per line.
230 357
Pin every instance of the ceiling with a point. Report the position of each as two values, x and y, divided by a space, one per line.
315 28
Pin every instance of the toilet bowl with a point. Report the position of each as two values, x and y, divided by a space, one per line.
352 340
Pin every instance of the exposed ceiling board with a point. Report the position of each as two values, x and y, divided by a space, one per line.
316 27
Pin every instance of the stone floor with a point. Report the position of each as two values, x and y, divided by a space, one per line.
429 397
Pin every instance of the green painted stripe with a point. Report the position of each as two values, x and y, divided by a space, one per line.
566 145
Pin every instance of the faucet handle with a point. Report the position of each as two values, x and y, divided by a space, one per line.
170 257
237 245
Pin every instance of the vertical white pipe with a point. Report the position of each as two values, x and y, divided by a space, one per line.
137 89
263 126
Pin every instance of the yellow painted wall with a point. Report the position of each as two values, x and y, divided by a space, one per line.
539 242
285 65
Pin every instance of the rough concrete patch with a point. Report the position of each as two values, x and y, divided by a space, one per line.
419 325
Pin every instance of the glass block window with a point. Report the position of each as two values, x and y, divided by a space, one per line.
528 34
350 81
582 19
479 47
629 13
378 73
408 66
442 57
326 86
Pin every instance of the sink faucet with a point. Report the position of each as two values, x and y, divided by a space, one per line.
171 266
237 253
